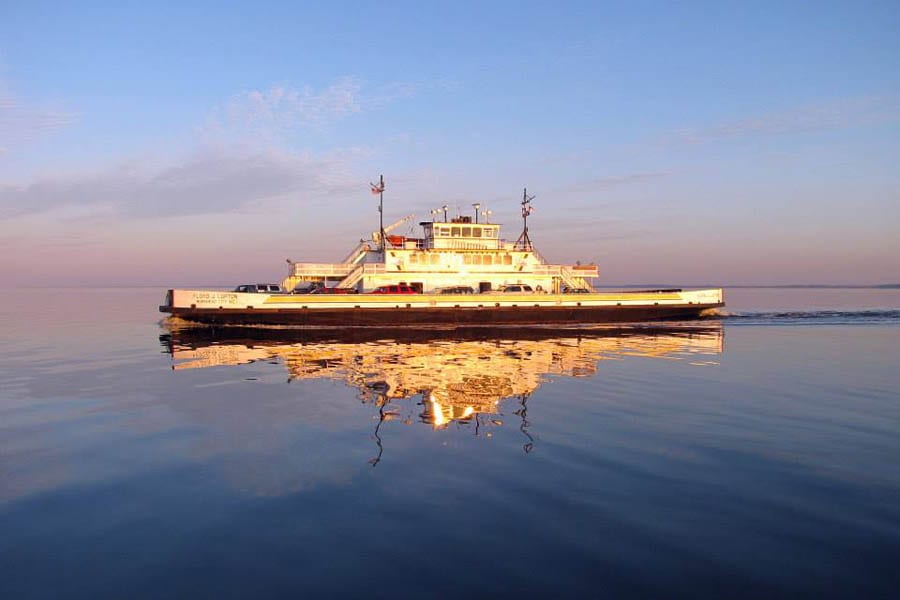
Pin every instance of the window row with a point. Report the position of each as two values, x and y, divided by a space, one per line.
466 232
434 258
487 259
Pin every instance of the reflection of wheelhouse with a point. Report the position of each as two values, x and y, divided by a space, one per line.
475 394
440 414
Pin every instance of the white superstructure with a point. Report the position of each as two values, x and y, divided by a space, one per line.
451 253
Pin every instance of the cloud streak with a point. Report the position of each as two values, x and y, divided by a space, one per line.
205 183
246 167
838 114
20 123
268 113
243 162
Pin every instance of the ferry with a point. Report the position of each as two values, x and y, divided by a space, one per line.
460 272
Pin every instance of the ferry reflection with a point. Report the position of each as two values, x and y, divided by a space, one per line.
439 377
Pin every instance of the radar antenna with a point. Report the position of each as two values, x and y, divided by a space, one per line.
524 242
378 189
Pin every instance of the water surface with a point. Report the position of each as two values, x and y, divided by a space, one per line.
753 455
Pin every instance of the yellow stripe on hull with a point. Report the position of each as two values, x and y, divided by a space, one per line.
395 298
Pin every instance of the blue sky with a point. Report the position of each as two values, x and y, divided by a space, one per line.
682 143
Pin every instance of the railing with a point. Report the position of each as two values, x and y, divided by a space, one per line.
355 275
456 244
321 269
585 271
361 271
374 269
552 270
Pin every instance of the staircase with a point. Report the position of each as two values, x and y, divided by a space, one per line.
353 277
362 270
573 280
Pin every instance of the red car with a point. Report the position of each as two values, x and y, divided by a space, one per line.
395 289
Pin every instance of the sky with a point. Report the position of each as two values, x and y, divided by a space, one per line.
688 143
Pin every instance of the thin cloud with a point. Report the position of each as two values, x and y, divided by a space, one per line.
838 114
204 183
246 166
21 123
268 113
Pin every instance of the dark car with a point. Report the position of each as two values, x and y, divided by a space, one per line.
569 290
457 289
259 288
395 289
307 287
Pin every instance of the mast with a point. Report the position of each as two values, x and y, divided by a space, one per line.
524 242
381 209
379 189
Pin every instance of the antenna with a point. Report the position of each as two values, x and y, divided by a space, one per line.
379 189
477 207
524 242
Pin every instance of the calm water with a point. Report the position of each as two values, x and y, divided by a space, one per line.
757 455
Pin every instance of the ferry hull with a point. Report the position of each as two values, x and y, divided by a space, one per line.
411 317
420 310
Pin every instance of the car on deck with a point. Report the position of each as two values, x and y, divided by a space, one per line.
456 289
395 289
259 288
517 288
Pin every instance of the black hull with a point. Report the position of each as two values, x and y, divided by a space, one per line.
200 337
452 317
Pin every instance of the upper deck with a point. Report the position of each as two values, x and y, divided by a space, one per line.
461 234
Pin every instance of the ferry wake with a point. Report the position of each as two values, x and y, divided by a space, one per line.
459 273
